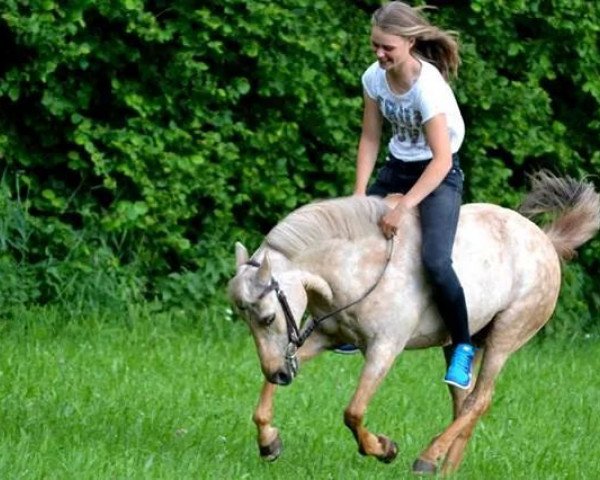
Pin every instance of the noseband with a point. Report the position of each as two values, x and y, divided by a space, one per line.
296 338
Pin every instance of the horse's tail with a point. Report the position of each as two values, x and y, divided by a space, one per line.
575 205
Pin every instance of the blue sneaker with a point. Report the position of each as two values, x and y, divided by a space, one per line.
459 371
346 349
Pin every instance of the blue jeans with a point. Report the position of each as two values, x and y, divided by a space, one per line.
439 218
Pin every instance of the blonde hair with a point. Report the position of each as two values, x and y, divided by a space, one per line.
432 44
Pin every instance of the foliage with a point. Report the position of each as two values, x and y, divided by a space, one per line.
148 136
146 123
83 274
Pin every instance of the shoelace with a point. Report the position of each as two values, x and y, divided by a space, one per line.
463 361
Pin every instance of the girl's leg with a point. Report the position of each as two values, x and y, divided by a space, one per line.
439 219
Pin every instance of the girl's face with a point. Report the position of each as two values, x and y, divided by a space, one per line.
390 50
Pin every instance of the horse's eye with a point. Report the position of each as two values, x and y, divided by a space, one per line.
268 320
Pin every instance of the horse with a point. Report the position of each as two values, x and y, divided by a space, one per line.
330 260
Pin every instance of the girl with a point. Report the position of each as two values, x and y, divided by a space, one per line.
407 86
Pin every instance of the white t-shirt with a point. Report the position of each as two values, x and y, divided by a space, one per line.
429 96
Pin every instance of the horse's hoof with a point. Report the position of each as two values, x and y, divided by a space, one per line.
390 448
271 451
422 467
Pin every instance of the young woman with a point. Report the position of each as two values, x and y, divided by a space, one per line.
407 86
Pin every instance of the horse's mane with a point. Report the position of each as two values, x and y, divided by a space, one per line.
344 218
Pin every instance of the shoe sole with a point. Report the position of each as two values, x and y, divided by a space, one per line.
458 385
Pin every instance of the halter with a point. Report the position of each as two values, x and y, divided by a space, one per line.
292 328
296 338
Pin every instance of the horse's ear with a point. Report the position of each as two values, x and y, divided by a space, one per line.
264 271
241 254
316 284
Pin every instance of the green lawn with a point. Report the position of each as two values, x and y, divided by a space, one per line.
168 397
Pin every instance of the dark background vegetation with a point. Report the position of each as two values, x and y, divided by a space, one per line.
140 139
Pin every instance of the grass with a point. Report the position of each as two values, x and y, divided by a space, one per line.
168 397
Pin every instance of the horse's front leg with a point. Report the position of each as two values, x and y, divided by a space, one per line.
269 442
377 365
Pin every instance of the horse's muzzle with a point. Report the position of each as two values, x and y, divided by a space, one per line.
281 377
285 375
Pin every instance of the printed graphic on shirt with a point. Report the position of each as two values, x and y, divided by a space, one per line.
406 122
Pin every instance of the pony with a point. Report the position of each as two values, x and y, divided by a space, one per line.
330 259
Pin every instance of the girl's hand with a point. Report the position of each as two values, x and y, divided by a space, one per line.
390 222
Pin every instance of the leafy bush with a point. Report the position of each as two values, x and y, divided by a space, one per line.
148 136
87 276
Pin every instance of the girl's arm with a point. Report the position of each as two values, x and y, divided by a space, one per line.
436 134
438 139
368 146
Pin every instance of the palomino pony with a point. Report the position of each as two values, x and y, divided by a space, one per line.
330 259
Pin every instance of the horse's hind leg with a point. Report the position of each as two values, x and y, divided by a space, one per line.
459 395
473 407
511 329
457 448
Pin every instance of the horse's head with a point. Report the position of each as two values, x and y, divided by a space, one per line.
254 293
